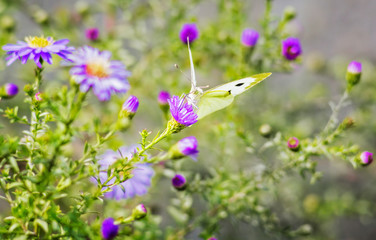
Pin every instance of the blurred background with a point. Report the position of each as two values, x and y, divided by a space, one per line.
293 101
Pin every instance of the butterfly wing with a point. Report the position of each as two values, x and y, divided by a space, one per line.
220 97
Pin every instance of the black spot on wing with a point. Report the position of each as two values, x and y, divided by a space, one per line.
239 84
229 91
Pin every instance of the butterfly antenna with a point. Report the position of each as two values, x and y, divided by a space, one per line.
185 75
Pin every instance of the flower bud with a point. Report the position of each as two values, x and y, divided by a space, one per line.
109 229
185 147
212 238
92 34
179 182
265 130
9 90
354 71
189 31
347 123
293 144
366 158
289 13
291 48
139 212
249 37
129 108
162 100
38 96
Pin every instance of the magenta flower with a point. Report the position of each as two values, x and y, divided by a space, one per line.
354 67
92 34
93 69
249 37
366 158
109 229
137 185
189 31
11 89
293 143
37 49
179 182
163 97
182 111
188 147
291 48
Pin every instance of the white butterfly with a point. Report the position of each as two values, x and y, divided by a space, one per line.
221 96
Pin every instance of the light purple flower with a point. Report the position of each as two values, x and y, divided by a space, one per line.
131 105
109 229
11 89
182 111
94 69
354 67
37 49
163 97
179 182
249 37
366 158
92 34
291 48
137 185
188 147
189 30
293 143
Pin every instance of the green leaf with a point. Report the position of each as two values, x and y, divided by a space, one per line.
42 224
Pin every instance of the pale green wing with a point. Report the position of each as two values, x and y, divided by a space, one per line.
213 101
221 96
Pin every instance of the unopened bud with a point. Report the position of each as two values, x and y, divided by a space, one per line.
265 130
9 90
354 71
179 182
293 144
139 212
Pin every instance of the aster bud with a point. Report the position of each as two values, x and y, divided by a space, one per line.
139 212
189 31
109 229
162 99
179 182
129 108
291 48
185 147
249 37
347 123
289 13
38 97
366 158
354 71
9 90
212 238
92 34
265 130
293 144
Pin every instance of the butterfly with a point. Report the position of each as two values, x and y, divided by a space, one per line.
218 97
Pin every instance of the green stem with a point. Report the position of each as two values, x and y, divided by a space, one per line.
333 120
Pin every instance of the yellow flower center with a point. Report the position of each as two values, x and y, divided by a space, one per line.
38 42
99 68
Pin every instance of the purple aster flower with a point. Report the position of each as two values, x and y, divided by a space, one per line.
131 105
109 229
182 111
366 158
139 212
291 48
189 30
293 143
163 97
92 34
93 69
137 185
354 71
249 37
37 49
212 238
179 182
186 147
